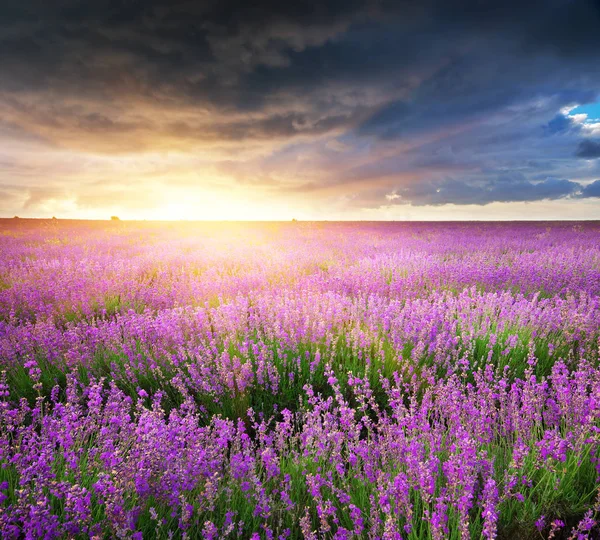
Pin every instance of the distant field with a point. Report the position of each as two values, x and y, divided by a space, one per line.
299 380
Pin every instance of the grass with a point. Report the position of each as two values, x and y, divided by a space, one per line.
564 490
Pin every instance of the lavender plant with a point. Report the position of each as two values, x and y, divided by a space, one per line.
373 380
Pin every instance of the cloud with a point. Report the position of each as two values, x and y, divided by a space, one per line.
11 198
561 123
591 190
337 101
588 149
92 195
505 188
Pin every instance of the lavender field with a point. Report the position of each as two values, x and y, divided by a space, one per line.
299 380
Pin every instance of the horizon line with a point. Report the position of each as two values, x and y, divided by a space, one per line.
295 220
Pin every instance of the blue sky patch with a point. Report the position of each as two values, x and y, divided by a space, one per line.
591 109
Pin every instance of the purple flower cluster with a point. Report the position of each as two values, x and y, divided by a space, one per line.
390 381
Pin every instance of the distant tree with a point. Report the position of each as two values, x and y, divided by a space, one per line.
294 220
16 217
115 218
54 218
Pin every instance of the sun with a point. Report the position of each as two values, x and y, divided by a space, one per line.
219 208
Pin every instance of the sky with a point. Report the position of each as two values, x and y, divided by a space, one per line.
338 109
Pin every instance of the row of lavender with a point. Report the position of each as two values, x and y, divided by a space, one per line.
68 271
299 380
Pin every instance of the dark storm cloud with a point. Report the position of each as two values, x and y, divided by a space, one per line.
444 101
162 50
588 149
274 126
232 54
